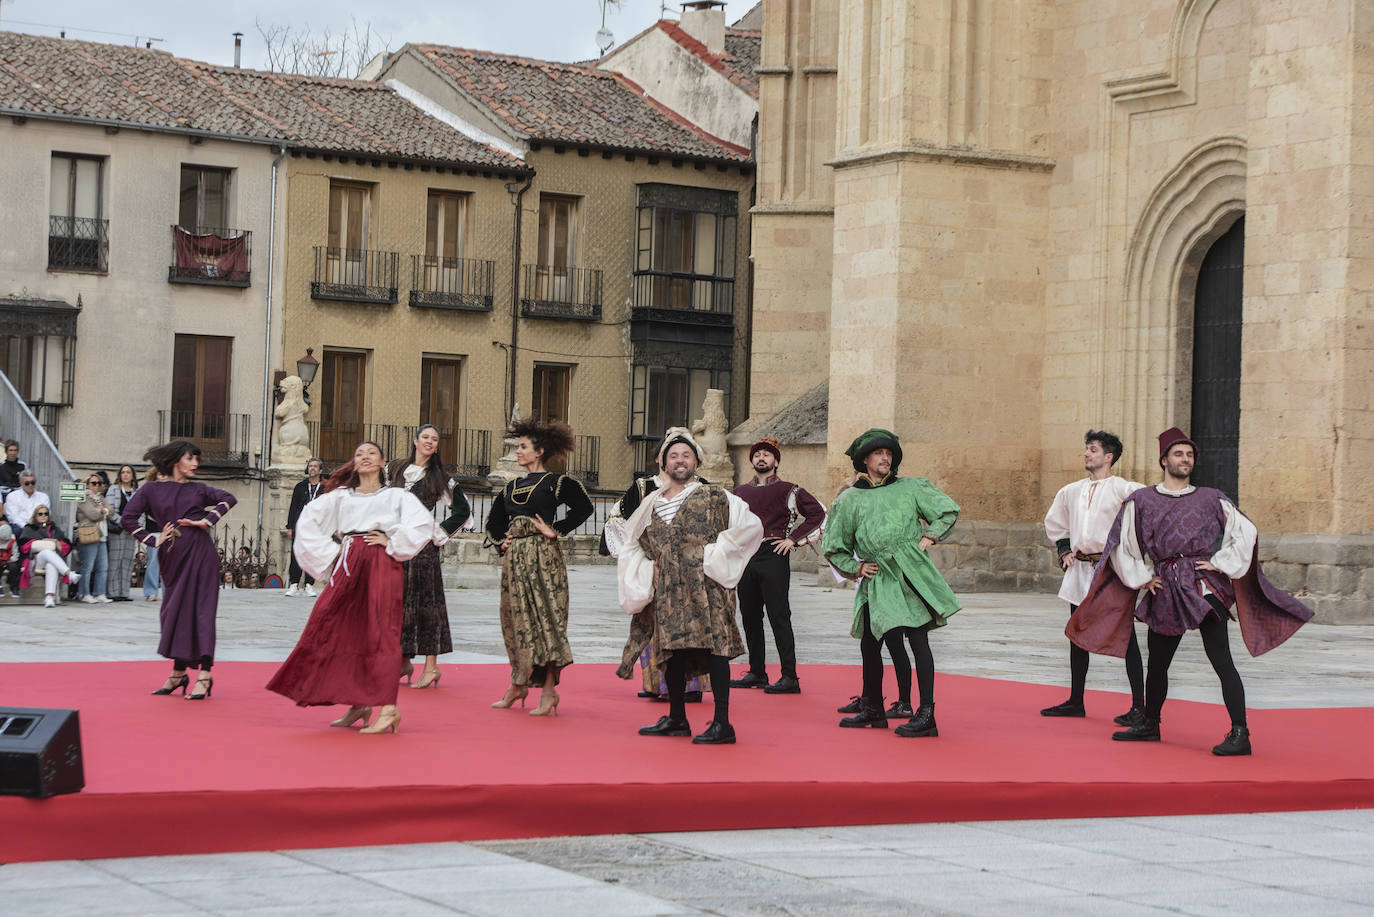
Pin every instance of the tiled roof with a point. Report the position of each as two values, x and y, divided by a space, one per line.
570 103
743 48
63 78
752 19
740 60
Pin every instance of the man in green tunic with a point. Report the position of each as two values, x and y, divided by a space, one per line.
878 533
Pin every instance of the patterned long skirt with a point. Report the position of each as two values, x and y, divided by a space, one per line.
534 605
651 665
121 548
425 631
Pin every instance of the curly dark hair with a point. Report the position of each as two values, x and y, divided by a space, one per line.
1109 442
550 438
165 457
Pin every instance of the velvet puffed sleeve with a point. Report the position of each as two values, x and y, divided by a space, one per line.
314 546
497 518
634 568
1237 543
724 559
837 544
936 508
1133 566
412 528
574 496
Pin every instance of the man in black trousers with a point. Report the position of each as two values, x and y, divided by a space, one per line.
305 491
790 517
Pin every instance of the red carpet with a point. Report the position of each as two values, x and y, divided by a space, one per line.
246 770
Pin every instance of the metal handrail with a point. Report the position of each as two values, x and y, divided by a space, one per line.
561 292
78 243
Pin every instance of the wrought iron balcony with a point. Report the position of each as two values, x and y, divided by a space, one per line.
561 292
214 256
585 462
355 275
222 438
78 244
465 453
333 442
688 297
463 284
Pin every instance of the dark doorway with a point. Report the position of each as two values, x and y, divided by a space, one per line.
1217 324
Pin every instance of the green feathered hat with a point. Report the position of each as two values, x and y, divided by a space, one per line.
870 440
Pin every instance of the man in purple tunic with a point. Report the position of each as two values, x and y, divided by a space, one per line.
1194 553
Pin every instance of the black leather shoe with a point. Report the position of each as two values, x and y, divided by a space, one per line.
1068 708
784 685
1147 730
870 715
855 704
692 697
900 710
716 734
920 726
648 695
1130 717
667 726
1236 743
750 680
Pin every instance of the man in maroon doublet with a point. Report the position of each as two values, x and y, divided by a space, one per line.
790 517
1194 554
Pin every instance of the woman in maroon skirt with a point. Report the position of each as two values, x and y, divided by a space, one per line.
347 652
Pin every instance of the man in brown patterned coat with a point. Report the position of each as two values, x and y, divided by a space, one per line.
687 546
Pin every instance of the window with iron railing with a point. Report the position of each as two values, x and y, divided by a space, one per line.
78 233
464 284
355 275
211 255
685 250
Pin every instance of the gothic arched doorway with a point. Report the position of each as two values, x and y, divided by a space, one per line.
1217 325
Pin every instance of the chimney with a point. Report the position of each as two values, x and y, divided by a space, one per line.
238 49
704 20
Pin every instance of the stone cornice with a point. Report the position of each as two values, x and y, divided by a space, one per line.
798 207
959 155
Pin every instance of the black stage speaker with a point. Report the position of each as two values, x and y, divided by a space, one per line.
40 752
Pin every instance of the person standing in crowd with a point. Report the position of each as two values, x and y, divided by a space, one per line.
612 543
152 574
10 470
1195 555
301 494
534 579
790 515
9 557
425 630
43 549
687 545
91 515
874 535
346 654
20 504
181 511
1078 522
120 546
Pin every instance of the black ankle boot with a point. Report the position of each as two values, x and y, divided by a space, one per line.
1236 743
1130 717
1144 730
920 726
870 714
900 710
856 703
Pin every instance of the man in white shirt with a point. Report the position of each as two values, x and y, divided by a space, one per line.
20 504
1078 522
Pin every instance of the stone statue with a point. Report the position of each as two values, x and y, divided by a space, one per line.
291 443
716 465
507 468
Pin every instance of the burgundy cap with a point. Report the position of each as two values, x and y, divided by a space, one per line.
770 444
1172 437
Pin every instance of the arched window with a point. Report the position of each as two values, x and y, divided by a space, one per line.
1217 326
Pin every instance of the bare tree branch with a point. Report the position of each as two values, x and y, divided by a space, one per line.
320 53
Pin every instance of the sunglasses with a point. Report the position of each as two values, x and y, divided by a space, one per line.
27 484
40 515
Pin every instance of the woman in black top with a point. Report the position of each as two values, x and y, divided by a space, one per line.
534 579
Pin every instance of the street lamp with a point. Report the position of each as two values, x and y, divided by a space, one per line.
306 367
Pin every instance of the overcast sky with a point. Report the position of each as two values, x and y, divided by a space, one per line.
552 29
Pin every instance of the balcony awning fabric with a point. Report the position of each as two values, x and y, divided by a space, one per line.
209 255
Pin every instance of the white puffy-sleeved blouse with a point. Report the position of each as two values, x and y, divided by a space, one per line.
404 519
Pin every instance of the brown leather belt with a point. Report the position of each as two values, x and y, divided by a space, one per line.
1090 558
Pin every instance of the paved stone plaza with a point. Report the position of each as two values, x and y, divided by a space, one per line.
1280 864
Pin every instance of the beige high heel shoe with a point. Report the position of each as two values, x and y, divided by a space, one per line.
513 693
355 713
387 721
429 678
548 704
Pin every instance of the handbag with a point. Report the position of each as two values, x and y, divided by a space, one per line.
88 534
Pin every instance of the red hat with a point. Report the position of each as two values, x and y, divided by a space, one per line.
770 444
1172 437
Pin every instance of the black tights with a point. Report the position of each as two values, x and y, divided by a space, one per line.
675 674
1215 642
872 654
1078 670
203 663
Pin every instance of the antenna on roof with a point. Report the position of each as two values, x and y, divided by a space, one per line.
605 40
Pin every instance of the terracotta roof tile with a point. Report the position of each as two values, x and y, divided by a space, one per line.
60 77
575 104
737 64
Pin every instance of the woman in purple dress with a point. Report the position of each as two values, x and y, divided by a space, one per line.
181 512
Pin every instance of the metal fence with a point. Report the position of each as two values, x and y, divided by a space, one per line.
355 275
222 438
561 292
244 560
78 243
334 442
451 283
37 450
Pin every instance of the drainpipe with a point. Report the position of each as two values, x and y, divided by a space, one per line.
519 194
265 453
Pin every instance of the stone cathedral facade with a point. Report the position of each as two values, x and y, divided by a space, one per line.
993 224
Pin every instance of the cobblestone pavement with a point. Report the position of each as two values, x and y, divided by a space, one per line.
1281 864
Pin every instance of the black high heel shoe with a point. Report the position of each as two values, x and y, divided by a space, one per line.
174 682
209 686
